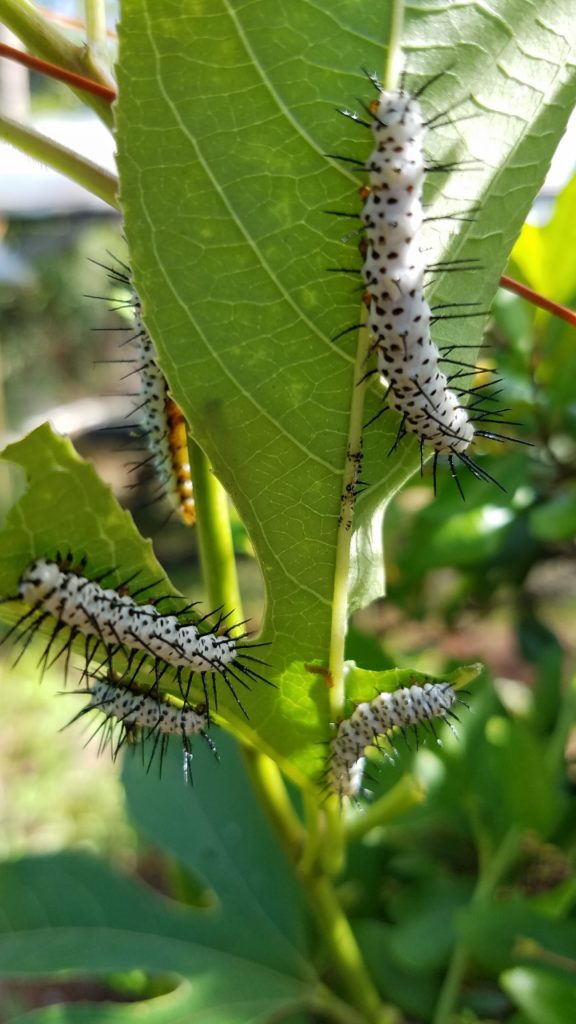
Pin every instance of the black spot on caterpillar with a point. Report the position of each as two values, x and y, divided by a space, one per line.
112 622
429 400
130 716
162 426
400 710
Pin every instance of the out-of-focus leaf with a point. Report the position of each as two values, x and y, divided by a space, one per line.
413 988
491 931
544 997
556 519
471 537
428 911
517 760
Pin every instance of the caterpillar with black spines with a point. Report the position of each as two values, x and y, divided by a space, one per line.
429 400
400 710
131 715
163 427
112 622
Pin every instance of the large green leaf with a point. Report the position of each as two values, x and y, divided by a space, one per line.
70 912
219 831
231 246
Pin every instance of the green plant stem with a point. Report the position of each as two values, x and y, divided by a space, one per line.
339 623
393 54
311 854
331 920
96 180
406 794
96 56
214 535
325 1003
46 41
493 871
95 16
345 955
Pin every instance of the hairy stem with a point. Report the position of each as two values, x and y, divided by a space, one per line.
95 179
46 41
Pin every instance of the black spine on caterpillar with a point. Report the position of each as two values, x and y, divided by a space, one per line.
131 715
400 710
399 316
163 426
429 401
115 622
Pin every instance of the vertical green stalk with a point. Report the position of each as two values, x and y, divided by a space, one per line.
214 535
339 625
393 55
96 38
95 15
344 953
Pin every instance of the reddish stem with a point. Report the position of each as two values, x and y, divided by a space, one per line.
538 300
53 71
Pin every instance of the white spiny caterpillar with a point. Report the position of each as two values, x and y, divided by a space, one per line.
115 622
402 709
163 427
429 401
132 715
